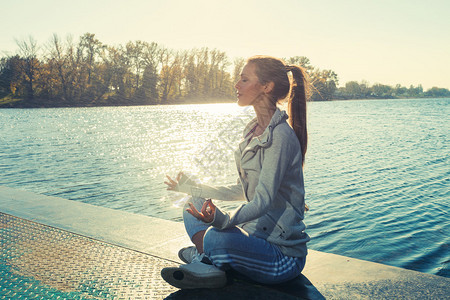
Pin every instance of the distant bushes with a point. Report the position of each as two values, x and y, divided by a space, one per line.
355 90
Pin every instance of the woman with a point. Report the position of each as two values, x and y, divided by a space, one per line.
264 238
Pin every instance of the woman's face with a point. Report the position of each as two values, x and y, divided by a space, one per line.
248 87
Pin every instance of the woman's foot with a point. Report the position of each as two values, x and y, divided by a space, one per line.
195 275
187 254
190 254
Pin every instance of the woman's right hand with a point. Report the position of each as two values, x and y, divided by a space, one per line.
172 185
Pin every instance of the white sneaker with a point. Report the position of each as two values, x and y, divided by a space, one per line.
188 254
195 275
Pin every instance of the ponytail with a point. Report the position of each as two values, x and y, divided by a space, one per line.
297 106
270 69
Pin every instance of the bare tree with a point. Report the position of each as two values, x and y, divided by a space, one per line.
59 58
28 51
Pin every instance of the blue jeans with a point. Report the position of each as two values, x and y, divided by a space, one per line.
251 256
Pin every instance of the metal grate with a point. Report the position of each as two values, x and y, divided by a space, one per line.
42 262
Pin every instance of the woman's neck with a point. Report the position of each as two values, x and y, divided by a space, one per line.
264 110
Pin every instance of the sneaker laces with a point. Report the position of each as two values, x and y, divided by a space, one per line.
198 257
201 258
191 254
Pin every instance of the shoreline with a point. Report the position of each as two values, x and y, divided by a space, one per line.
19 103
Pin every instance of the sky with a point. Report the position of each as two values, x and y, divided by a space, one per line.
391 42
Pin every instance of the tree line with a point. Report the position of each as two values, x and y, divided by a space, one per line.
362 90
87 72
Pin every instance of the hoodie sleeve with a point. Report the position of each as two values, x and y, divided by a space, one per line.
189 185
277 158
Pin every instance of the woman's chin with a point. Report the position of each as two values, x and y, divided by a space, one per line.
241 103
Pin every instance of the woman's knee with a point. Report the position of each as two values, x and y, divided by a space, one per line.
211 235
186 215
218 239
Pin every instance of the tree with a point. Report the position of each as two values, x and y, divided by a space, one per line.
30 65
352 89
170 73
324 84
149 88
415 91
400 91
134 52
302 61
436 92
223 86
195 71
10 74
382 91
119 69
89 47
59 58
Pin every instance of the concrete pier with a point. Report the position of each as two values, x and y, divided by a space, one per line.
53 247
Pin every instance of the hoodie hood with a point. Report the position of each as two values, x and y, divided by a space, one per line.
265 138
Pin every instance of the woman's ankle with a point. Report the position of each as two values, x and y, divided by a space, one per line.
197 239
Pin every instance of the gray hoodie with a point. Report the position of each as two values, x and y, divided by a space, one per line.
271 181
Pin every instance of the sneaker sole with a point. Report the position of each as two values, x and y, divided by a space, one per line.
184 279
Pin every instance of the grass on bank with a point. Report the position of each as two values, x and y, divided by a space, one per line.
8 100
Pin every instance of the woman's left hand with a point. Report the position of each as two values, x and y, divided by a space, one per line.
207 212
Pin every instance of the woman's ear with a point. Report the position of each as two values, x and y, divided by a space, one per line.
268 87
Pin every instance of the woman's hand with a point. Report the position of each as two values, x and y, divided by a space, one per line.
172 184
207 212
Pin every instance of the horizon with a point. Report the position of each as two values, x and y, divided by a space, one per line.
404 43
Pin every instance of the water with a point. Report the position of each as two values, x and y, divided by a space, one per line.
376 173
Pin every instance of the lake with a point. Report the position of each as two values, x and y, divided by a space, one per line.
376 171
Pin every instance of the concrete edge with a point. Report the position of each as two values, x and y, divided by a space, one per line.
158 237
331 274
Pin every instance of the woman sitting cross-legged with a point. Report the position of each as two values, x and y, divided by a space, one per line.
263 239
